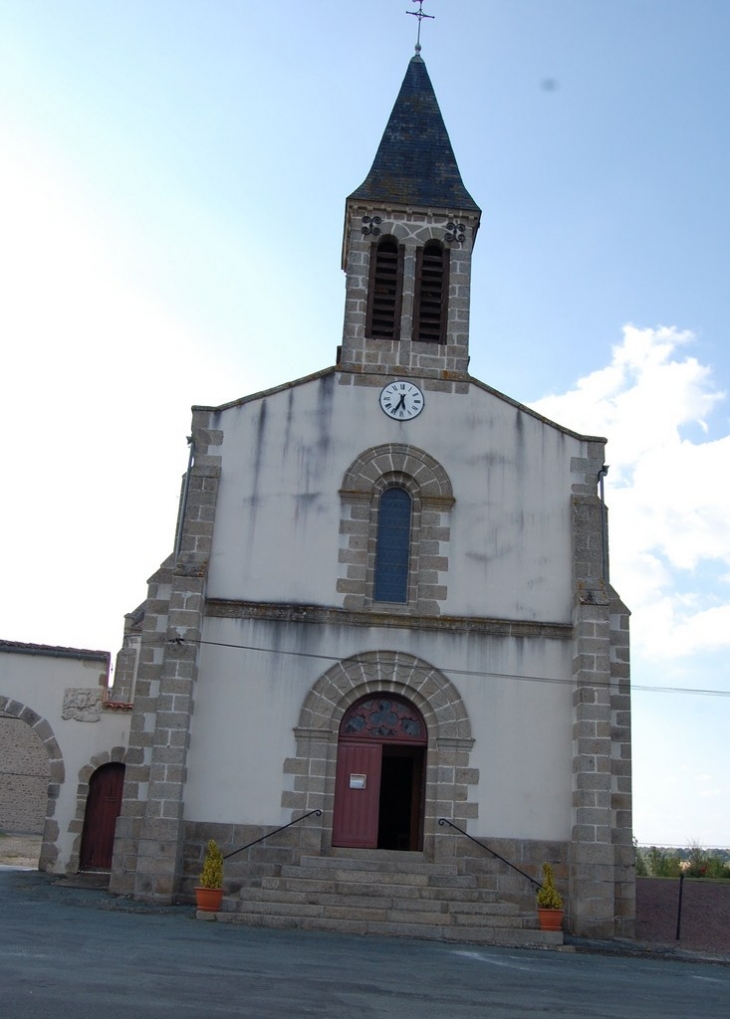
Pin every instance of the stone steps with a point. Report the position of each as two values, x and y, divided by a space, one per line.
379 861
253 899
367 878
504 937
438 914
390 890
384 893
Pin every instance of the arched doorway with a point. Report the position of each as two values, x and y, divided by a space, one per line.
380 781
103 805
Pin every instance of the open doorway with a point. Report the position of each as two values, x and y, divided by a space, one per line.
380 782
401 796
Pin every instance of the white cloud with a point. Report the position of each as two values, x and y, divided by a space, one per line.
668 496
641 400
98 379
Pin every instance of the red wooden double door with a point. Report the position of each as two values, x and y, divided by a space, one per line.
380 782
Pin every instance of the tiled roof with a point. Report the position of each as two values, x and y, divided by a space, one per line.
415 164
51 650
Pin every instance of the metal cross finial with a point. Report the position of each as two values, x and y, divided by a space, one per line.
420 15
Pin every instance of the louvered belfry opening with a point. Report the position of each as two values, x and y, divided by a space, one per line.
384 294
429 319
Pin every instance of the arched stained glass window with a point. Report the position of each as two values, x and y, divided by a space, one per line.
383 716
393 546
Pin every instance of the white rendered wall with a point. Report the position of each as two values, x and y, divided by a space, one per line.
276 534
248 703
39 681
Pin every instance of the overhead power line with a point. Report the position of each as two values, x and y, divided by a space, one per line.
483 673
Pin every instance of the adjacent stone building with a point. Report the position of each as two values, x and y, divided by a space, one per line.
63 743
388 603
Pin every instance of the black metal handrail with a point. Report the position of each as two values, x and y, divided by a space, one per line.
274 832
445 820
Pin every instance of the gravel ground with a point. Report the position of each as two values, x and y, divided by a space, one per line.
705 923
19 850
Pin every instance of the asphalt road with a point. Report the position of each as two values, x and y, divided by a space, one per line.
77 954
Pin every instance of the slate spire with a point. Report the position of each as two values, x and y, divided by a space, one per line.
415 163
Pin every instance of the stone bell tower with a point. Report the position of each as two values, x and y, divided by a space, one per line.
409 233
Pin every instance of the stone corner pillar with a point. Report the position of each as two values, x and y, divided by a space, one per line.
601 858
150 830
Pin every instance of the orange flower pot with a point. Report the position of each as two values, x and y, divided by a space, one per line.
550 919
209 899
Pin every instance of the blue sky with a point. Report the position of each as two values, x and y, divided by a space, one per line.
172 185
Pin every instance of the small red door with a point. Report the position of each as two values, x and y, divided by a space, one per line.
103 805
357 795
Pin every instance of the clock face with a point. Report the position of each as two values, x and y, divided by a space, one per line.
401 400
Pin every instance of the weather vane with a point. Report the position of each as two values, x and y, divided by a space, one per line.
420 15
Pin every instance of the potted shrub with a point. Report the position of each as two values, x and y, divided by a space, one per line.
209 893
549 902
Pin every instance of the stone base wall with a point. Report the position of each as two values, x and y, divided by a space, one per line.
527 855
286 848
263 860
126 853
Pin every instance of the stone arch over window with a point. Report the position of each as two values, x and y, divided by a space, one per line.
449 777
427 484
56 773
385 289
117 755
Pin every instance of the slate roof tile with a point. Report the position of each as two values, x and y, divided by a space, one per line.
415 163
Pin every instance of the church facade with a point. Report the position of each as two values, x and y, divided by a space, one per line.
387 619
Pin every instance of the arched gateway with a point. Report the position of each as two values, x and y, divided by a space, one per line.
379 786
